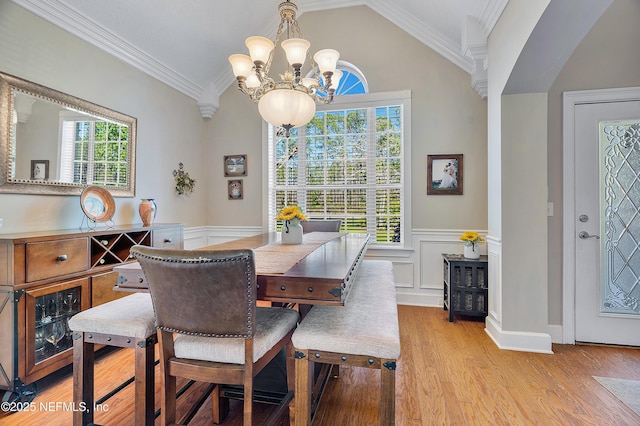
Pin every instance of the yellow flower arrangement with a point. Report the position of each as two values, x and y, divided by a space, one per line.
470 238
291 212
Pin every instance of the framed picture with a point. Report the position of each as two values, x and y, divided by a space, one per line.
235 165
235 189
444 174
39 169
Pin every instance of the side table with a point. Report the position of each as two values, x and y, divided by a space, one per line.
466 285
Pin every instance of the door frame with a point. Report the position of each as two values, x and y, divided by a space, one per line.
570 101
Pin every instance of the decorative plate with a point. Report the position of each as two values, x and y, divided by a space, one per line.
97 203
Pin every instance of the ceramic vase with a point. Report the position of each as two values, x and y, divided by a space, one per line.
472 251
292 232
147 210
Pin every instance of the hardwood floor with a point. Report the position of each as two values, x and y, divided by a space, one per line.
448 374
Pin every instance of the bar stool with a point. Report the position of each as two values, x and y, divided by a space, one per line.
128 322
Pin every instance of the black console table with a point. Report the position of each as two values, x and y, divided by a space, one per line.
466 285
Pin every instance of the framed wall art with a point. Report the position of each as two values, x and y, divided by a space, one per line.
235 165
235 189
40 169
444 174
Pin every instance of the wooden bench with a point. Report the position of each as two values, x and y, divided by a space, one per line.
128 322
363 333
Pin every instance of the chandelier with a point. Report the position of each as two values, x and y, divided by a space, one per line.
291 101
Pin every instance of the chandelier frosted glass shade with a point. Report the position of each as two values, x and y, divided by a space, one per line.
291 101
259 48
296 50
326 60
286 108
242 65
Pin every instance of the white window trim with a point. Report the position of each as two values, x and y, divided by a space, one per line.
66 141
359 101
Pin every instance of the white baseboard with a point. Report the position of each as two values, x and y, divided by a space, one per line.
518 340
417 299
555 331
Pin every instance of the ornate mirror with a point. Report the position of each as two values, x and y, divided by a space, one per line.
54 143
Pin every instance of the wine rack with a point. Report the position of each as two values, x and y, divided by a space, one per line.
112 249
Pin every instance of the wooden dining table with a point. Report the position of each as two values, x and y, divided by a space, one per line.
321 270
318 271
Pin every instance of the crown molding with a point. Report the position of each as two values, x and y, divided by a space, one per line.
490 15
427 35
313 5
88 30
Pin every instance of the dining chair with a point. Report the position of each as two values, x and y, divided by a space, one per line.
209 327
318 225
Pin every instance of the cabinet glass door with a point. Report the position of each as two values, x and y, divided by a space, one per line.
47 312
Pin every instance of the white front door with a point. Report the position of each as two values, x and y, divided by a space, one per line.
607 222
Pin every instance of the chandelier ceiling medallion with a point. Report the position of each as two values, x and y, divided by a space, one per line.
291 101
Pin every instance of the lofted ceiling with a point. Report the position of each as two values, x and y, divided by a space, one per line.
186 44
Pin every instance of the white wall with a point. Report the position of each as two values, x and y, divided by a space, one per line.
515 321
524 218
170 127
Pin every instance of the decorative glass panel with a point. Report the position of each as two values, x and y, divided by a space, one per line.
52 333
620 208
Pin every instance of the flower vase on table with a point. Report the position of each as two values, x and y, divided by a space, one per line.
292 232
147 210
472 251
471 244
291 227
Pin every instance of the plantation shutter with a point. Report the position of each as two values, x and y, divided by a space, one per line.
345 164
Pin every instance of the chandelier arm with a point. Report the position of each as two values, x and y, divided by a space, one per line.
275 46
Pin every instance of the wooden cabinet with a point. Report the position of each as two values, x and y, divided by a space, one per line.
466 285
47 277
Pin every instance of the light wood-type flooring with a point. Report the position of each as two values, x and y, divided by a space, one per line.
448 374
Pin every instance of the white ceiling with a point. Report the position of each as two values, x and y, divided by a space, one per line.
186 43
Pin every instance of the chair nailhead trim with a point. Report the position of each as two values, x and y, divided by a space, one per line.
200 259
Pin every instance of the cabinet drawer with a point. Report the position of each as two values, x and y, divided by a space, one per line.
169 238
50 259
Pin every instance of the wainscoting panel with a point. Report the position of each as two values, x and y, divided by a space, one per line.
203 236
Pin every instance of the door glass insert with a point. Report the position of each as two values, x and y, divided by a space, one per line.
620 210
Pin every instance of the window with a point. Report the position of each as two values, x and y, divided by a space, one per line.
93 151
350 162
352 81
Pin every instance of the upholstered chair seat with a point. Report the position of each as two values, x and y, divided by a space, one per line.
272 324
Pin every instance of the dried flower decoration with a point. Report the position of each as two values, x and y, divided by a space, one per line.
184 183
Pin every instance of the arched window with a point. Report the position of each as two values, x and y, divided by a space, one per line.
352 82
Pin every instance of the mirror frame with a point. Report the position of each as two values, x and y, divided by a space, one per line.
10 84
